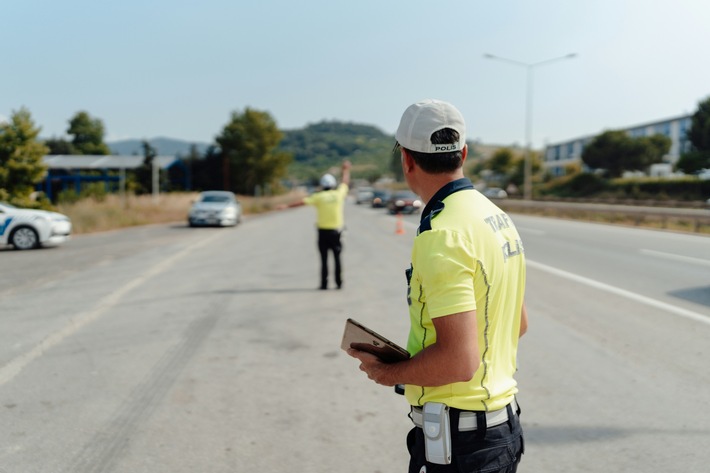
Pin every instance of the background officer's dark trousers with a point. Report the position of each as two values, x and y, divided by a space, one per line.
329 240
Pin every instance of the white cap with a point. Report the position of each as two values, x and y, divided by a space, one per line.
423 119
328 181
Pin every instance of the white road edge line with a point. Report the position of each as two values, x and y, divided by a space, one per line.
17 364
686 259
689 314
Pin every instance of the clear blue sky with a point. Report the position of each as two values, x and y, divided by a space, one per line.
177 68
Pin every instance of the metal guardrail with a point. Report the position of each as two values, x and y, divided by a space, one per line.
697 219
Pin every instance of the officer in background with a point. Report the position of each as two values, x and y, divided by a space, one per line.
329 204
466 285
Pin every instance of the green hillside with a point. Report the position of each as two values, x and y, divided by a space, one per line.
321 146
316 149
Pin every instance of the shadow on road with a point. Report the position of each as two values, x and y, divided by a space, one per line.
698 295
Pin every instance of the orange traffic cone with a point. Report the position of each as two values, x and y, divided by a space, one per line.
399 230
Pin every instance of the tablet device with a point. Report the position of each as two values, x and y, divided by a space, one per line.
362 338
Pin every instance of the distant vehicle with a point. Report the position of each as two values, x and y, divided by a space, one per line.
495 193
25 229
364 194
379 198
215 208
405 202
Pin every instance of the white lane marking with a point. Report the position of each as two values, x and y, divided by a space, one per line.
17 364
689 314
685 259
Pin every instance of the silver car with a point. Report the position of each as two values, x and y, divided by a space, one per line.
495 193
364 195
216 208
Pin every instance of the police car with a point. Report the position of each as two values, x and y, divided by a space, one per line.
27 228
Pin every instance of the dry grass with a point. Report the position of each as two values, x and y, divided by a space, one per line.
112 212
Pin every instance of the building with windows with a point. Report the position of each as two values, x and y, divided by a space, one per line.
560 155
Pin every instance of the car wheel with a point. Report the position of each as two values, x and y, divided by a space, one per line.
24 238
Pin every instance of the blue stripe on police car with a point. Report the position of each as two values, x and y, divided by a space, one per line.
4 225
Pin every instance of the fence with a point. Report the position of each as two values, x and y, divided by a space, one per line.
693 219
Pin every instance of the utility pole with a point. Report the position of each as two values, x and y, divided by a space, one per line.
156 179
527 188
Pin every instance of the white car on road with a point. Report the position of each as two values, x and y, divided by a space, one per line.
215 208
28 228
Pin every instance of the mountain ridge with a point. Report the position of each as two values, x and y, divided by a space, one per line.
163 146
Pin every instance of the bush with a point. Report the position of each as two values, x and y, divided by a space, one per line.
575 185
684 189
95 191
586 185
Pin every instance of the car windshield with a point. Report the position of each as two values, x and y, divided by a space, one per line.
215 198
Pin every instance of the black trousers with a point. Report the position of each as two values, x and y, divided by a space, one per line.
491 450
329 240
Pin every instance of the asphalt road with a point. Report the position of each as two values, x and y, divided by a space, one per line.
169 349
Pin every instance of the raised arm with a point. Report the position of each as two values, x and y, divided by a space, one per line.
345 179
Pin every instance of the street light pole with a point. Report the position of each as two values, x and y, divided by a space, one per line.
527 187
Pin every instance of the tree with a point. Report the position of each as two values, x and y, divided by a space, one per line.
517 177
699 132
504 167
249 149
144 173
693 161
88 134
59 146
502 161
651 150
615 152
498 169
606 151
207 171
21 154
699 135
191 162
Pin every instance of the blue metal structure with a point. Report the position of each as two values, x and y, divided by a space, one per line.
71 171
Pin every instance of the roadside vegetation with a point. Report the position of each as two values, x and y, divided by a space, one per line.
263 165
613 214
109 212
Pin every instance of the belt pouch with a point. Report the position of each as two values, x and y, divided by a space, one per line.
437 433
